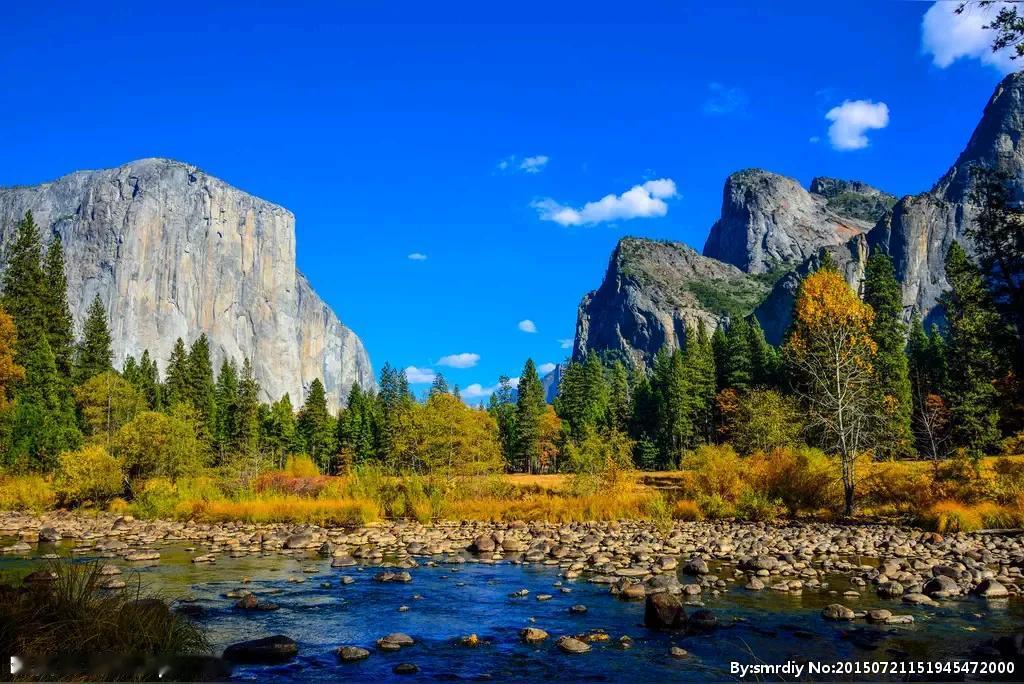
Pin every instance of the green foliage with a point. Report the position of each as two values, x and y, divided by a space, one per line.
739 370
94 351
160 445
317 427
357 428
226 394
763 420
529 408
145 377
246 417
106 402
280 435
60 327
502 407
202 391
883 294
975 341
178 381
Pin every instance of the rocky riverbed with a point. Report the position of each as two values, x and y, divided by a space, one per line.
586 586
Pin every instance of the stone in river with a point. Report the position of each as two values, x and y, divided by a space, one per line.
838 611
664 611
396 639
578 609
406 668
677 652
702 620
532 635
568 644
274 649
990 588
350 654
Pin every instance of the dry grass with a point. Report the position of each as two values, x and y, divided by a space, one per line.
284 508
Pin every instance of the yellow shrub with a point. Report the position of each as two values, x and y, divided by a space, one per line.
803 479
25 493
88 474
717 471
301 466
687 510
898 485
285 509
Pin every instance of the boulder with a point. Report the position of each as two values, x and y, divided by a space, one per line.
664 611
269 650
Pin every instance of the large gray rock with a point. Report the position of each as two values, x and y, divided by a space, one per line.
174 252
656 292
769 220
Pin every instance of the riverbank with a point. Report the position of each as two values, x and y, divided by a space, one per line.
896 562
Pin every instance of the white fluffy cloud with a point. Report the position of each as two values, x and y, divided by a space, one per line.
851 121
640 201
527 326
478 391
463 360
566 343
546 368
948 36
417 256
534 164
419 376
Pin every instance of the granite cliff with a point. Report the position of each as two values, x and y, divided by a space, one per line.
174 252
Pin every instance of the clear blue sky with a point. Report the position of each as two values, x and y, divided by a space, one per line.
384 130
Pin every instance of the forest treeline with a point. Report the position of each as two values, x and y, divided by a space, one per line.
851 378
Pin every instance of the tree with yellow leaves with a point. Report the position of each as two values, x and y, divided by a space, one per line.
830 352
10 372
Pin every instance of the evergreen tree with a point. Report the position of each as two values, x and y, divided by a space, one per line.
529 409
130 371
596 395
202 390
883 294
394 402
700 363
738 358
357 427
925 375
94 351
764 358
177 384
644 424
720 349
226 393
317 427
502 407
675 392
975 330
280 432
149 381
619 398
44 423
439 386
60 327
570 404
245 438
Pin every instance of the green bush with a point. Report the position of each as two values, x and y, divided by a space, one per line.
758 507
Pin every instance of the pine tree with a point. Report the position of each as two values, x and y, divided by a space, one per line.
764 358
439 386
643 427
975 330
177 382
280 432
925 373
149 381
94 351
570 404
317 428
700 364
619 398
226 393
502 407
675 405
357 427
245 437
738 363
60 327
720 349
202 390
529 409
44 422
883 294
394 401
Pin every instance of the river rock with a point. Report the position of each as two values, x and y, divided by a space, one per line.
838 611
532 635
664 611
991 588
568 644
273 649
351 654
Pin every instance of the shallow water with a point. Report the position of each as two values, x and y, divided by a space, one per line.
459 599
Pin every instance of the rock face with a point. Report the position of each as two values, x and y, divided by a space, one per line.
770 220
654 292
174 252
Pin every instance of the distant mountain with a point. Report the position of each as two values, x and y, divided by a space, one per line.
772 232
174 252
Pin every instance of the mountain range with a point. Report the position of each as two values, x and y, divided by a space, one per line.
772 231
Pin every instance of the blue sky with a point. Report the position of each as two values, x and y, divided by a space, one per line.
476 136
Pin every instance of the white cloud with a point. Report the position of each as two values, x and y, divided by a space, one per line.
724 100
478 391
513 164
545 368
534 164
814 140
852 119
419 376
948 36
640 201
566 343
463 360
527 326
417 256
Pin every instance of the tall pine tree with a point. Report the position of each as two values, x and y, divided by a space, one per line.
202 390
317 427
529 409
883 294
95 353
177 384
60 327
